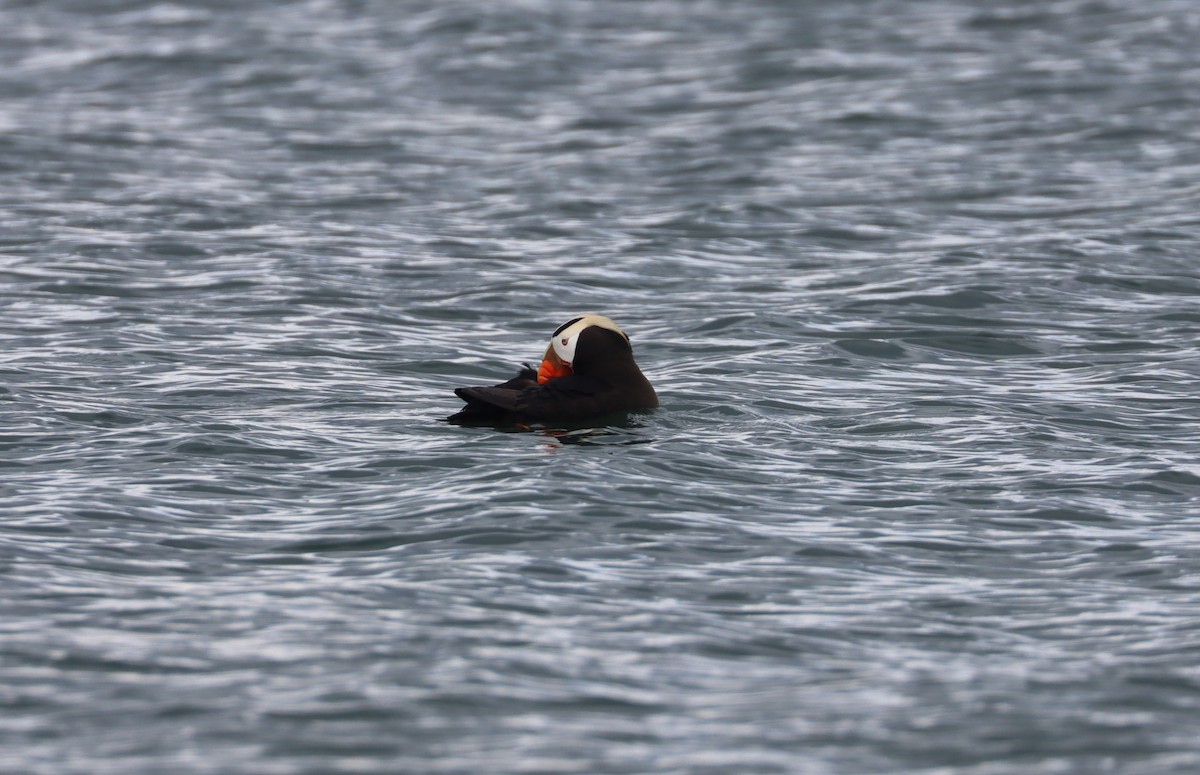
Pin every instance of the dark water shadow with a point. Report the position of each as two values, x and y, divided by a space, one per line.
603 437
621 428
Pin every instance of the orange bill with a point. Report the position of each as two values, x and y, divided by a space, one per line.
552 367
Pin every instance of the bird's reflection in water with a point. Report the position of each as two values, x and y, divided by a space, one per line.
625 428
608 436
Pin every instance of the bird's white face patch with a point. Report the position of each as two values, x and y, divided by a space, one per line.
566 338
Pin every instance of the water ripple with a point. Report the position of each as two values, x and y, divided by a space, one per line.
914 285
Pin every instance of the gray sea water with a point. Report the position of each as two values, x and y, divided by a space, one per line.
917 283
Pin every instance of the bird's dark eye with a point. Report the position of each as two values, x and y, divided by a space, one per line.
564 326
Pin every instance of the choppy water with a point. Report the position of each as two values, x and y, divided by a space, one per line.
916 282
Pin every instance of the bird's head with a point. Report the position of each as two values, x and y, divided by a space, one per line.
578 343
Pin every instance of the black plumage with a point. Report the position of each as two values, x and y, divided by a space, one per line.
605 379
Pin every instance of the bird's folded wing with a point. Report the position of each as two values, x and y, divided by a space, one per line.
566 397
520 399
499 396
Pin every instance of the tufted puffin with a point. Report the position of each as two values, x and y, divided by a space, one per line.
587 371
